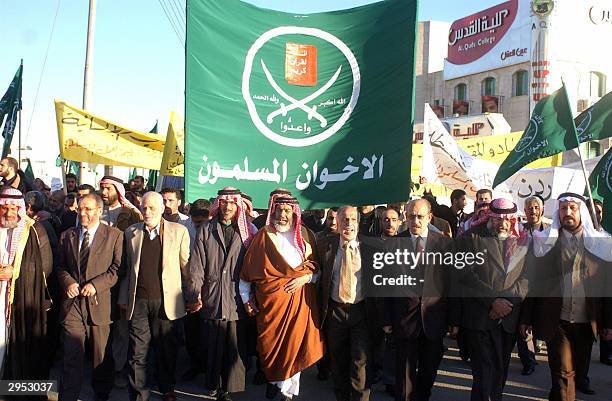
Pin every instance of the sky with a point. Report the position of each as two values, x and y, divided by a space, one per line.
138 59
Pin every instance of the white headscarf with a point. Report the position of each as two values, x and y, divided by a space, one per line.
596 242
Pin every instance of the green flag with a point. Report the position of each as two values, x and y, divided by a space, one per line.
72 167
595 123
29 172
601 187
551 130
320 104
152 181
10 104
133 174
154 129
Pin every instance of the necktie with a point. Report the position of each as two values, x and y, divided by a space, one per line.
419 245
84 254
346 275
419 248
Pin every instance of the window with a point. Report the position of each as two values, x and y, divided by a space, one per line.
592 149
598 84
488 87
519 83
461 92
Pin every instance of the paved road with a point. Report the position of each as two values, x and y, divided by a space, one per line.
453 384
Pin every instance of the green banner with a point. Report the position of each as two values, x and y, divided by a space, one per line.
595 123
10 104
29 172
320 104
601 186
551 130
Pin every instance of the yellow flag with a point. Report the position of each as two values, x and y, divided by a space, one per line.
84 137
494 148
173 162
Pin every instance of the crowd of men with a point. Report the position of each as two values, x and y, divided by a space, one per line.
120 278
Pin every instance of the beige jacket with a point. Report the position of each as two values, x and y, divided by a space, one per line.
175 255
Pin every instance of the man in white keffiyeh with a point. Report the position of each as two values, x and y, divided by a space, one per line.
571 303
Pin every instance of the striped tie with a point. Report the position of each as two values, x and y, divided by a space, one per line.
84 254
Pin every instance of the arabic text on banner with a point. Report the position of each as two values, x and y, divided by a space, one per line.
173 161
494 148
322 106
85 137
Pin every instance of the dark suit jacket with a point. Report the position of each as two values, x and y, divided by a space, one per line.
480 285
327 247
214 273
102 266
543 313
430 313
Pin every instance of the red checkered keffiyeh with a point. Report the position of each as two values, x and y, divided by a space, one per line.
118 184
12 196
247 230
287 199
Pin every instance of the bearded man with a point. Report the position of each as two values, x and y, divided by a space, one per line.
25 262
281 265
492 293
572 304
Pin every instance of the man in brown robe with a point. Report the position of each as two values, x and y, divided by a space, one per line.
26 260
282 267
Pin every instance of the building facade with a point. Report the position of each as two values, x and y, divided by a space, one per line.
506 58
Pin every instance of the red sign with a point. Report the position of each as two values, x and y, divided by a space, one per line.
490 104
301 64
461 107
438 111
472 37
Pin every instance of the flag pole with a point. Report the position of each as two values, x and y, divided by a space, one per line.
91 27
19 111
586 176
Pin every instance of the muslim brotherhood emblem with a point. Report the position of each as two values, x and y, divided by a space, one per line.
300 85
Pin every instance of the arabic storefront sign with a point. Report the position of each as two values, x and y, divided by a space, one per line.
85 137
600 15
288 102
496 37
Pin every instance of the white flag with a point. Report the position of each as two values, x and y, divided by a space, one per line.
445 162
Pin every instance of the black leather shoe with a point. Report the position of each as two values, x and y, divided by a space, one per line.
224 396
528 370
607 361
271 391
586 390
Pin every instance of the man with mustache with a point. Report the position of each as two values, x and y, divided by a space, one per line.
348 317
120 213
418 324
25 261
213 286
571 305
492 293
281 266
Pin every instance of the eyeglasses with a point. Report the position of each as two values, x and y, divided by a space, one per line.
87 209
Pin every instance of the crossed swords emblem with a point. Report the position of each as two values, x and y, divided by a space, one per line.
298 104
